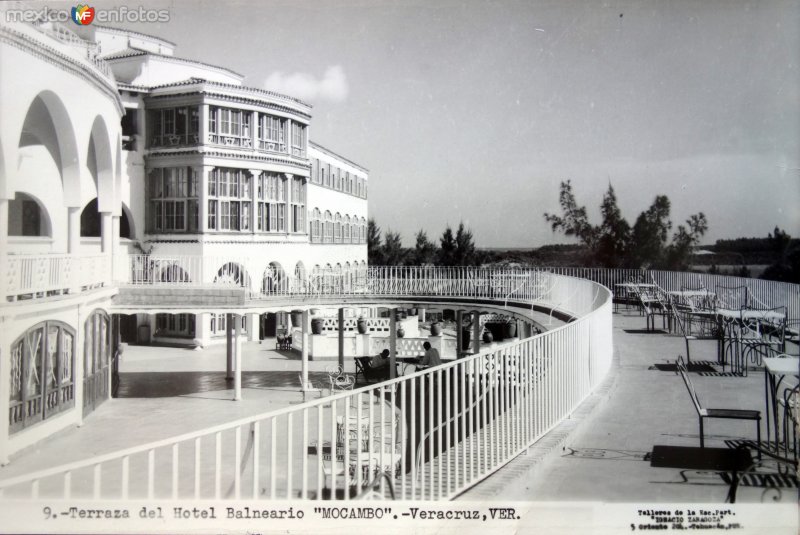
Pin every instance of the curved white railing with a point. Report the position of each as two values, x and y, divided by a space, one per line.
507 398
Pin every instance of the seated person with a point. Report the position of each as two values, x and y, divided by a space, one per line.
431 357
380 361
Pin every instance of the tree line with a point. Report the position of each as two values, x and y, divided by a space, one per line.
451 249
614 243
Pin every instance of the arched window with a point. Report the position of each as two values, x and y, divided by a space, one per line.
233 274
337 233
328 227
42 377
316 226
347 230
27 217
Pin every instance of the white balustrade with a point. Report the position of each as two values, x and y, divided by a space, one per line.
37 276
475 414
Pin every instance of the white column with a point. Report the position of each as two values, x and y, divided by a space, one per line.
237 381
289 179
117 261
304 354
253 327
392 343
202 329
106 232
288 136
202 119
229 346
202 197
73 229
421 312
254 129
476 332
254 200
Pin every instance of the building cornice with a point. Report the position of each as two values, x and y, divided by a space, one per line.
233 87
62 61
170 59
249 156
337 156
269 105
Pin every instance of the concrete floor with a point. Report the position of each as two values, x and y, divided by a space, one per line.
604 458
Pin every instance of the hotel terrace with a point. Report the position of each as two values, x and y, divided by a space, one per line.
150 201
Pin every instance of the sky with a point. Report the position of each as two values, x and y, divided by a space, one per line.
475 111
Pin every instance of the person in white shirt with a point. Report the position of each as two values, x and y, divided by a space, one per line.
431 357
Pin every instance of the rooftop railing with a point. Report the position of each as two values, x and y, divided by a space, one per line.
436 433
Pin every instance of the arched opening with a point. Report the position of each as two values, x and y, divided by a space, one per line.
42 378
99 161
27 217
173 273
90 220
48 132
274 279
300 276
126 223
233 274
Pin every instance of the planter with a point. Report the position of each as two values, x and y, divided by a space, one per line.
297 318
401 332
436 328
487 337
510 330
316 326
362 326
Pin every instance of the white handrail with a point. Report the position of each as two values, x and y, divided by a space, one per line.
573 370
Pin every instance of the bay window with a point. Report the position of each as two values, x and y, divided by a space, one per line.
227 126
298 205
230 194
173 200
271 194
298 140
271 133
174 126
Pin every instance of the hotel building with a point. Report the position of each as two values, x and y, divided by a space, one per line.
113 148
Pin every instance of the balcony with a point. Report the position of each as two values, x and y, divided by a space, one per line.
174 141
28 277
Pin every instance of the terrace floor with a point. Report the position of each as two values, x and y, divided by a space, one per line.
601 455
597 455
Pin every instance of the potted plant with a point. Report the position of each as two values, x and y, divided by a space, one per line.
361 324
316 326
401 332
487 336
297 318
510 329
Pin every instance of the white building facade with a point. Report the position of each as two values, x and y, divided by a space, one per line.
112 148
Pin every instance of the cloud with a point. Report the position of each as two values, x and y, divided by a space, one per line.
332 86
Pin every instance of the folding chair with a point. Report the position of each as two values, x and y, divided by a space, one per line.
702 413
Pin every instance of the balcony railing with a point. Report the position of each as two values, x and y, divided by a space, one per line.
38 276
435 433
174 140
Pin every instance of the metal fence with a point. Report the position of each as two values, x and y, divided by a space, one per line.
436 432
